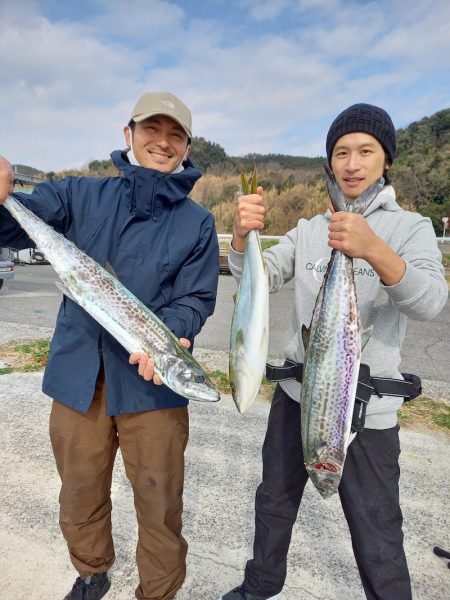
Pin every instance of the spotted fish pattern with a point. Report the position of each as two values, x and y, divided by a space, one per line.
121 313
333 345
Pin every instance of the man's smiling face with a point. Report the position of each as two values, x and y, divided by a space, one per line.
159 143
358 160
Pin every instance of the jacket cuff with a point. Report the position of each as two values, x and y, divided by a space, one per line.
235 261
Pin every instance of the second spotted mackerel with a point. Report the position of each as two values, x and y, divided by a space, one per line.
249 338
126 318
333 345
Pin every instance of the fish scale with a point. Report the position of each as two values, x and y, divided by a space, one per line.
121 313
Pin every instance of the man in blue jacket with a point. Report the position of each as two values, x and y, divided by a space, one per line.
163 247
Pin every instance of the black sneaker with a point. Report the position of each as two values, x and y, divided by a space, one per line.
97 587
239 593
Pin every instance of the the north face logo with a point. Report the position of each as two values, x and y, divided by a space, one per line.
168 104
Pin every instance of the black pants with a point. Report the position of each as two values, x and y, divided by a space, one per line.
369 496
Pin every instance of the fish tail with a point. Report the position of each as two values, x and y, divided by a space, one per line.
340 201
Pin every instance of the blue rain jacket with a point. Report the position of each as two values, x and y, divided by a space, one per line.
163 247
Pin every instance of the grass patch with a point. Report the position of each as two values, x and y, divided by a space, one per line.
24 357
222 383
268 244
31 356
6 370
427 412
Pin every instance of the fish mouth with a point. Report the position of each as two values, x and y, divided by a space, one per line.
326 477
243 390
192 384
199 393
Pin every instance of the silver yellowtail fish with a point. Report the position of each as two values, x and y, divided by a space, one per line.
333 345
249 337
125 317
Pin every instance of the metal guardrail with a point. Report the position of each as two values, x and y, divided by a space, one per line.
22 178
224 248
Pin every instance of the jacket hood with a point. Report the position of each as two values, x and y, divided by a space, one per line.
386 200
149 189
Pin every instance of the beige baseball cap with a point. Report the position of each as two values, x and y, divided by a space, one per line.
163 103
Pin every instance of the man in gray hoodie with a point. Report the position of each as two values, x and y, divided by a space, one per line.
398 274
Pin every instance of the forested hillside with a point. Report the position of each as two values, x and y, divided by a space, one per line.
295 185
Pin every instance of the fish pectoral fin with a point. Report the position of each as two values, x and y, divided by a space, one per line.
365 336
305 336
110 269
319 445
62 288
240 338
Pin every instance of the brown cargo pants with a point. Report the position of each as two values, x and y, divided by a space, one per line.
152 444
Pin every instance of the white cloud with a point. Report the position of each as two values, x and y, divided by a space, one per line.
271 82
268 9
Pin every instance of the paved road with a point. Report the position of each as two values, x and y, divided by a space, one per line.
33 298
223 468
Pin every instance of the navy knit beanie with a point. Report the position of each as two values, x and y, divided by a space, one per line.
367 118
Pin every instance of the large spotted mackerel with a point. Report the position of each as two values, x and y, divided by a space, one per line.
126 318
332 358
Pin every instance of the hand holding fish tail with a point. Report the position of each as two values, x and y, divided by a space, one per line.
351 234
146 368
249 214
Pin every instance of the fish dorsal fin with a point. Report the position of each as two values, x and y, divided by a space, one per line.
62 288
110 269
305 336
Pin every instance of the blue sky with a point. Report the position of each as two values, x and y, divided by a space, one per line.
259 75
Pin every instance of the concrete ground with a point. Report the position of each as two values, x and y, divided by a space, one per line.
223 468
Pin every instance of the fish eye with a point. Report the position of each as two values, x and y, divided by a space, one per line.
199 378
186 375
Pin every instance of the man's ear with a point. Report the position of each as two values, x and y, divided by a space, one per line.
186 154
127 133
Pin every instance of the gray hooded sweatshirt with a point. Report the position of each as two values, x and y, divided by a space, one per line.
303 254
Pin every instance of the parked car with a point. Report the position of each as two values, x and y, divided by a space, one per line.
6 265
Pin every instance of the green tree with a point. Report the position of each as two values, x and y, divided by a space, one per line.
207 154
